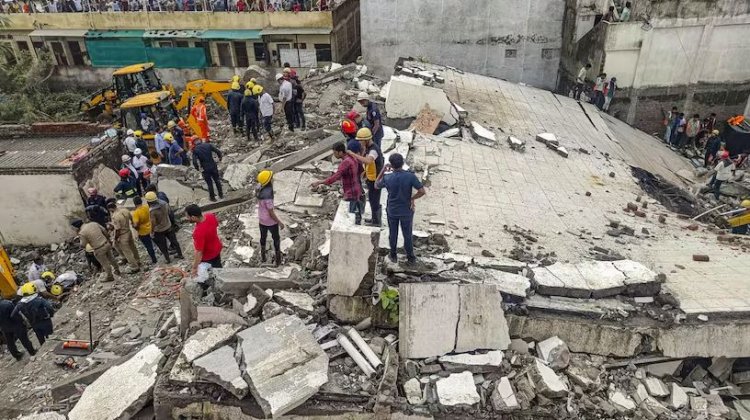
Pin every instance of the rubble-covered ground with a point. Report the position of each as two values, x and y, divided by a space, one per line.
515 310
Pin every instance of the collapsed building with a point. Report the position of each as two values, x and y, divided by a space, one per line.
555 279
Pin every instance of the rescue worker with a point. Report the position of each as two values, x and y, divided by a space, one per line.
175 151
125 188
139 164
357 118
36 268
162 226
127 163
349 128
286 99
712 148
37 311
373 162
251 84
250 114
348 173
723 171
140 142
98 214
265 102
203 161
129 142
95 198
95 235
148 125
162 148
13 328
234 105
268 220
141 220
373 117
201 117
178 134
123 237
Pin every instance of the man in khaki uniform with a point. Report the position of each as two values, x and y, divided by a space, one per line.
94 234
124 237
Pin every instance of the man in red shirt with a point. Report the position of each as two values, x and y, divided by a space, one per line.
205 238
348 173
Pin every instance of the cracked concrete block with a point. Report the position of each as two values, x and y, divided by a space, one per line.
237 281
561 279
474 363
639 279
507 283
215 316
602 277
584 374
716 407
656 387
220 367
621 402
699 404
352 256
640 394
554 352
677 398
481 321
721 368
548 139
483 133
405 100
301 301
457 389
122 391
428 316
546 380
207 340
282 363
663 369
705 340
413 391
239 175
503 398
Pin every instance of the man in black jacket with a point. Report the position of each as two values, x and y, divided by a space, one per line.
14 329
203 158
250 114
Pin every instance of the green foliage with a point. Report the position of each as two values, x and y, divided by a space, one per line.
389 302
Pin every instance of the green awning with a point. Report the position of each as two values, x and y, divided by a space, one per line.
114 34
232 34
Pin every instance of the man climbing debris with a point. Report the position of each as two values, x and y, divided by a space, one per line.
203 160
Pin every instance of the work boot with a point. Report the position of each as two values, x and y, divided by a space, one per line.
277 260
357 218
375 221
106 279
213 199
393 258
263 255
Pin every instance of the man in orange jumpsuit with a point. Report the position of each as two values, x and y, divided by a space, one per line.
199 113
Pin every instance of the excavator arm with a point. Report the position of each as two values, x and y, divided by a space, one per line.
195 88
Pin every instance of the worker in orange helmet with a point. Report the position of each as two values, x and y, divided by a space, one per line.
349 128
201 117
357 118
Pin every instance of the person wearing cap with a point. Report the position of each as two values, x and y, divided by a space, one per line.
400 206
373 117
13 328
249 109
206 241
97 237
36 311
268 220
175 152
141 220
348 173
723 171
139 163
127 163
178 134
94 198
129 142
373 163
234 105
123 237
203 161
265 103
125 188
161 226
98 214
286 99
713 144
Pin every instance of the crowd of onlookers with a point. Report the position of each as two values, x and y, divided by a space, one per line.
80 6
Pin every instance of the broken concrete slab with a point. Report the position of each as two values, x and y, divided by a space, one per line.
239 175
122 391
508 283
596 279
546 380
721 367
661 370
639 279
413 391
483 135
621 402
354 309
352 256
503 397
423 331
206 340
457 389
481 321
554 352
220 367
583 307
474 363
584 374
561 279
308 153
655 387
729 339
677 398
716 407
212 315
282 362
602 277
406 99
548 138
49 415
237 281
516 144
699 404
301 301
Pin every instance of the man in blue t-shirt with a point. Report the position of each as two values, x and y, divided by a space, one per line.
373 117
400 206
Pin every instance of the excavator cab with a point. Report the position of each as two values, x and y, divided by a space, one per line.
158 106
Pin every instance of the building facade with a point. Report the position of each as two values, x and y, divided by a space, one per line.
87 47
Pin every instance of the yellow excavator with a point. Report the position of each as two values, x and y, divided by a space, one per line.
127 82
8 284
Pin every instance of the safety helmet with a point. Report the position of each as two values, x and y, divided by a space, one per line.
28 289
352 115
248 92
137 152
251 83
745 204
363 96
125 158
364 133
264 177
171 124
348 127
89 248
92 191
235 78
279 76
130 132
124 173
715 132
169 137
724 154
138 133
257 89
235 85
56 290
48 275
150 197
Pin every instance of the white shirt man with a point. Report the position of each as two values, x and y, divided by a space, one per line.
285 91
266 105
139 161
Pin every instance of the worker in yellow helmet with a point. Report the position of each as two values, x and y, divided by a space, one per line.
265 104
37 311
373 161
250 114
234 105
267 218
251 84
13 329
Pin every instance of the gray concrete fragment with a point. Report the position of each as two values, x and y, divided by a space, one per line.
50 415
716 407
428 315
503 398
705 340
237 281
583 374
584 307
207 340
546 380
699 404
621 402
554 352
220 367
282 363
212 315
677 398
663 369
308 153
301 301
655 387
413 391
352 255
121 391
507 283
474 363
457 389
481 321
721 368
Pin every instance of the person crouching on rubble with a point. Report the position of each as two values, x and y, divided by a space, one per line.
36 310
348 173
267 218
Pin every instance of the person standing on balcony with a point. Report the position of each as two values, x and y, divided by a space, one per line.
610 15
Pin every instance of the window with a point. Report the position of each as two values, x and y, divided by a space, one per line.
181 44
300 46
39 46
511 53
76 53
164 44
22 45
240 52
259 49
323 52
225 54
59 53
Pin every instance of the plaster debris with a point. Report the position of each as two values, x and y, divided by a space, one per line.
482 133
677 398
621 402
207 340
413 391
473 362
503 398
516 144
457 389
546 380
301 301
554 352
